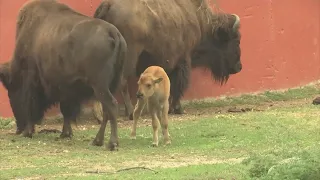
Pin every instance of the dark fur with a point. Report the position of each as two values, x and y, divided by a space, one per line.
176 35
62 56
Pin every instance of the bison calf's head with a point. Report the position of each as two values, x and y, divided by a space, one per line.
220 50
147 85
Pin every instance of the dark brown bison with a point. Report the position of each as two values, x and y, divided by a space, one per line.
176 35
62 56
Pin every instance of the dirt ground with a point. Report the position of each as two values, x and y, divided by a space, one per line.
88 121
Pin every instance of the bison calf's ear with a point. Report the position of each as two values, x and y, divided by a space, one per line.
158 80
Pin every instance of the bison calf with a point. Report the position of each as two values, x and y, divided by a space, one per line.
153 90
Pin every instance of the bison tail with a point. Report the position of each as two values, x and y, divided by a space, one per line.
4 74
119 56
102 10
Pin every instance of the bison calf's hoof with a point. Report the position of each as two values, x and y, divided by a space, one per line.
167 142
154 144
133 135
96 142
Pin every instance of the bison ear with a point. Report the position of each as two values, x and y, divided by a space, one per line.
157 80
5 75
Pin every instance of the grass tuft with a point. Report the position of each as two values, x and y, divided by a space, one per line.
257 99
278 143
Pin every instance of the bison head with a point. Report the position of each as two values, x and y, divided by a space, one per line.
220 50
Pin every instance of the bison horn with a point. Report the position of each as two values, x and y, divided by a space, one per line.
237 22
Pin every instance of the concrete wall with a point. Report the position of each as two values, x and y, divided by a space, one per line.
280 45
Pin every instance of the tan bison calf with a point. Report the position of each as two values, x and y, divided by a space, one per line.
153 90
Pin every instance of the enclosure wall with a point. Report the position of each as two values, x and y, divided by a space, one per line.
280 46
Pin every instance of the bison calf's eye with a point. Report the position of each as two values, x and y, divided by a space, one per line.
149 85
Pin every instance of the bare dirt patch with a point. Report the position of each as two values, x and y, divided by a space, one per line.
179 160
88 121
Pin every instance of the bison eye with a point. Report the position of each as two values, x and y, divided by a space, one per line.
149 85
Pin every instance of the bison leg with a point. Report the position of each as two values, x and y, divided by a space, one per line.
70 110
176 107
136 115
179 79
20 127
29 130
126 98
134 51
109 108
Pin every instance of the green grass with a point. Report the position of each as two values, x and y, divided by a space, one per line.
278 143
258 99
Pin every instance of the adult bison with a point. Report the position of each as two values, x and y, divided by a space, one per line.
62 56
176 35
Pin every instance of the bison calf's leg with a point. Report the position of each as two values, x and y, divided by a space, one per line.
164 123
155 124
70 110
109 108
136 115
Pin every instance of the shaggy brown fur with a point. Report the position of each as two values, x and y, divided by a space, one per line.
154 90
176 35
62 56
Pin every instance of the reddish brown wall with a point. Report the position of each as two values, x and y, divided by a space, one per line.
280 45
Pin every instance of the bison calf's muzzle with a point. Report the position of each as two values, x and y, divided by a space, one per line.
139 95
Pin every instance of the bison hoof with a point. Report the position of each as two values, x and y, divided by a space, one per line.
178 111
113 146
316 101
131 116
27 134
170 111
18 132
96 142
66 135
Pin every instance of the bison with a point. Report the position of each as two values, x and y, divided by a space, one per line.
177 35
62 56
153 90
